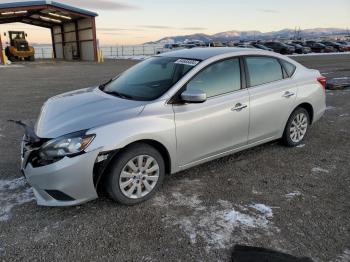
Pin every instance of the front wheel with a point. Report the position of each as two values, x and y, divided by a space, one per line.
135 175
296 128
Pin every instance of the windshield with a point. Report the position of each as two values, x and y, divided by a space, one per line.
149 79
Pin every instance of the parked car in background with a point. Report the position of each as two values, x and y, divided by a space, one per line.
261 46
299 49
217 44
346 45
245 46
279 47
299 42
171 46
188 46
319 48
338 47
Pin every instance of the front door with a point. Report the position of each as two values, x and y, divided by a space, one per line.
220 123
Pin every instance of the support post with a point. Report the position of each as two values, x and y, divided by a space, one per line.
77 38
63 42
93 25
2 58
53 43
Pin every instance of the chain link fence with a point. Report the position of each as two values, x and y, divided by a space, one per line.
109 52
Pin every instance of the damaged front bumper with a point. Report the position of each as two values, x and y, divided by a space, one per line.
67 182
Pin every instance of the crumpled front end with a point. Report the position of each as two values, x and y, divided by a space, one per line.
66 182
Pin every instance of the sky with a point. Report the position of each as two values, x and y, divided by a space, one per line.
137 21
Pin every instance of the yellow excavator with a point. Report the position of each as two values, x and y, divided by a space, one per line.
19 48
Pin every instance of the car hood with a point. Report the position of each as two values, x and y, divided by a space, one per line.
83 109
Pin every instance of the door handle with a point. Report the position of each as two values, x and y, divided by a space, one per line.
238 107
288 94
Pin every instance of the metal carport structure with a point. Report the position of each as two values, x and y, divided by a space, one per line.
73 30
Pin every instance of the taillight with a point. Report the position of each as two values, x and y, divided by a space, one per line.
322 80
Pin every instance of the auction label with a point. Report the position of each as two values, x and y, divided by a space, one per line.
187 62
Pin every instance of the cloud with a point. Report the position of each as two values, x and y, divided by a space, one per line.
108 33
115 30
171 27
267 10
193 28
101 5
105 29
157 27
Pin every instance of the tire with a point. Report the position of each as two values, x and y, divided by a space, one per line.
9 55
31 58
298 121
135 185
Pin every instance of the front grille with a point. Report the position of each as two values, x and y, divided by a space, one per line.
23 47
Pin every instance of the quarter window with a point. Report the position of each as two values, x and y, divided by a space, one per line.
219 78
263 70
290 68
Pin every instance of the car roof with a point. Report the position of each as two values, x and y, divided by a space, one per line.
206 53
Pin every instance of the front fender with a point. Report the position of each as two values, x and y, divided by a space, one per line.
146 126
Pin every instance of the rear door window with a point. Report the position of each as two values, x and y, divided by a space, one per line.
262 70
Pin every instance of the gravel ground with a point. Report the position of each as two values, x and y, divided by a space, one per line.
295 200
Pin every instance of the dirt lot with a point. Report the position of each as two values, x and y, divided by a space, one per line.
294 200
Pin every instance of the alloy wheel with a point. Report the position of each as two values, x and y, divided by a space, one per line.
298 127
139 176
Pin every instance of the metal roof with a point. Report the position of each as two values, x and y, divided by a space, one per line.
41 13
47 2
206 53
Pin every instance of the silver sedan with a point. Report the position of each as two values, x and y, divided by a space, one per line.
168 113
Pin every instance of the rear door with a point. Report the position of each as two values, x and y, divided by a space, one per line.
220 123
272 97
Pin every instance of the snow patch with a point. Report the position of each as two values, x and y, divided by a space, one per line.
345 257
218 224
319 170
11 66
330 107
344 115
263 209
136 57
12 184
300 146
292 194
321 54
342 78
13 193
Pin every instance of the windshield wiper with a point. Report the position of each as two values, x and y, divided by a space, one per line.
115 93
102 86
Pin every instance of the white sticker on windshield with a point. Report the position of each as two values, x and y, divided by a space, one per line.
187 62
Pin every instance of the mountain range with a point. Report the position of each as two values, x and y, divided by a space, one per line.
235 35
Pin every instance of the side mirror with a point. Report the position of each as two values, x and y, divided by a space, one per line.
25 35
194 96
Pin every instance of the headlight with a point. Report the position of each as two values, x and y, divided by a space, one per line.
67 145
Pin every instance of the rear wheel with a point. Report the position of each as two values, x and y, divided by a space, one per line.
296 128
135 175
